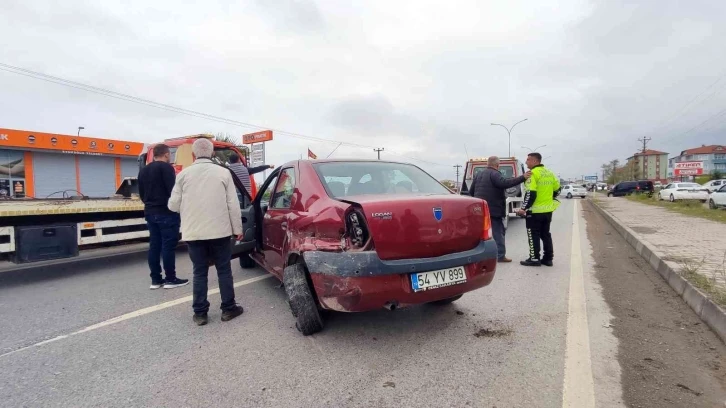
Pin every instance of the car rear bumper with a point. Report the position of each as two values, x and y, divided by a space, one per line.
357 282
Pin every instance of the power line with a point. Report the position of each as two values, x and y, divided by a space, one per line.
175 109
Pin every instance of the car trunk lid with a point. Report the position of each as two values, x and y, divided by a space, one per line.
421 226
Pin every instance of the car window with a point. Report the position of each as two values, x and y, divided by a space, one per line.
342 179
282 198
507 170
688 185
667 186
267 193
722 189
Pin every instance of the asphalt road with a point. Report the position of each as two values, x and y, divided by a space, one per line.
97 336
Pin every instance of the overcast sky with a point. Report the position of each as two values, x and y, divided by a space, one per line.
422 79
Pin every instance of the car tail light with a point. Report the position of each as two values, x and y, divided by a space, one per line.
357 229
486 233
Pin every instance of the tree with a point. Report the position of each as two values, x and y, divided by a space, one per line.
716 175
450 184
228 138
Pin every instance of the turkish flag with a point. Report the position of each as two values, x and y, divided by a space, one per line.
311 155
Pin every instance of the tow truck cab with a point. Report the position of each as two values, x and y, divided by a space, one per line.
509 167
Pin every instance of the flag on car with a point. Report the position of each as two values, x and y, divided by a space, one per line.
311 155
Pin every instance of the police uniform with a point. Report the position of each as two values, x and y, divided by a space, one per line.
539 203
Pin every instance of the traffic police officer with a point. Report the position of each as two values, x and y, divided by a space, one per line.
539 204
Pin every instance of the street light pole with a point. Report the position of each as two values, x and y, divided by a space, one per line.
79 130
535 149
509 133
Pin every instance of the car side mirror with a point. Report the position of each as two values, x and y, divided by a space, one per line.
264 207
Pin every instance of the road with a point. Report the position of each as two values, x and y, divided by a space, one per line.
95 335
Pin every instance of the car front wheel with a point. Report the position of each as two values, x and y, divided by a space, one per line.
673 199
302 303
448 301
711 204
569 195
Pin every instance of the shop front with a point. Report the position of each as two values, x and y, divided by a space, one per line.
45 165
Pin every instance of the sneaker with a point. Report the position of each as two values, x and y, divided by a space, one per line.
531 262
547 263
175 283
504 260
200 319
156 285
228 315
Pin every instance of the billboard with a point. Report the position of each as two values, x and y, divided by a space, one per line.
28 140
257 137
257 155
688 169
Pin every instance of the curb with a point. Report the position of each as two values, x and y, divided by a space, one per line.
711 314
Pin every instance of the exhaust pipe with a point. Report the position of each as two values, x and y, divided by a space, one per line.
391 305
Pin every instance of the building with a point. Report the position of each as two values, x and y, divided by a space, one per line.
43 165
648 165
698 161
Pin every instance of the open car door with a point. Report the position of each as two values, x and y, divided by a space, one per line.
249 221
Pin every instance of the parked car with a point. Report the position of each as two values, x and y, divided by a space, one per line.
572 190
630 187
683 191
354 236
657 185
714 185
718 198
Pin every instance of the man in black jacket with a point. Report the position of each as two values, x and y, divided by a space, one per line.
156 181
490 185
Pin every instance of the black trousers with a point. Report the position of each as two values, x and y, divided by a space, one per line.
538 228
219 251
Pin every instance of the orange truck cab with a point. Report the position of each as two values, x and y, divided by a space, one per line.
181 157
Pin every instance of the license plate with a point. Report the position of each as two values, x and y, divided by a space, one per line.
437 279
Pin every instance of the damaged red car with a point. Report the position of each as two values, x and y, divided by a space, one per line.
355 236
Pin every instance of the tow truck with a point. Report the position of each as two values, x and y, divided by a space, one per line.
33 230
509 167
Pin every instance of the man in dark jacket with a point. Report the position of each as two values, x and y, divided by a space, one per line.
156 180
490 185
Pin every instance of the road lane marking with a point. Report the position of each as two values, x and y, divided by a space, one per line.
578 388
134 314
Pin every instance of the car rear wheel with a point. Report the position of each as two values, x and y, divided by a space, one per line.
448 301
246 262
302 303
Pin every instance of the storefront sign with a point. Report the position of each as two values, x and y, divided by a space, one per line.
688 169
68 143
257 137
257 155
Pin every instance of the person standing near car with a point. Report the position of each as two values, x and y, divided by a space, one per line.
243 172
156 181
539 204
491 186
206 198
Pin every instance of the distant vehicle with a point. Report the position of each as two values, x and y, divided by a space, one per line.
683 191
658 184
572 190
355 236
509 167
629 187
718 198
714 185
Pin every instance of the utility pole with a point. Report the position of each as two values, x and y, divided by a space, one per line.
379 152
645 141
79 130
457 167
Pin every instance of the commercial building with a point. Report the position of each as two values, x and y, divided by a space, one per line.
648 165
698 161
42 165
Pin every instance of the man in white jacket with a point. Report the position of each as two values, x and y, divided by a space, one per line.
206 198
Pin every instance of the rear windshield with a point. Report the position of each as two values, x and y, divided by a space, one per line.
360 178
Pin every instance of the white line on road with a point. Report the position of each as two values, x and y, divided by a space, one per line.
131 315
578 389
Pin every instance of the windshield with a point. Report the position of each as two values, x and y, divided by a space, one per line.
506 170
360 178
221 155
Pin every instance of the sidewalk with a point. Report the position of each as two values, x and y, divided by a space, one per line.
682 241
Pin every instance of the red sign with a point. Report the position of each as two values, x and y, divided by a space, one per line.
688 169
257 137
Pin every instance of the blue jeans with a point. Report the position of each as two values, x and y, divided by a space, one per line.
499 236
163 239
219 251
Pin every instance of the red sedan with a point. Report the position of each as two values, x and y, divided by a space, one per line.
354 236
